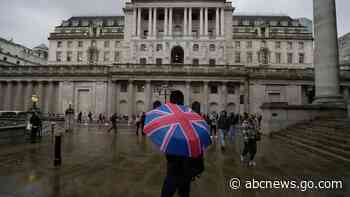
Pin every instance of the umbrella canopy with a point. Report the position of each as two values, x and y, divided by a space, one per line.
176 130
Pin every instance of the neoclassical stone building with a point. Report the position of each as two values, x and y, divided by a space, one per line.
123 64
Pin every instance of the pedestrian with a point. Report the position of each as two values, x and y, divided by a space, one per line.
213 122
113 120
80 117
90 117
250 137
142 122
223 127
137 120
36 123
233 121
181 171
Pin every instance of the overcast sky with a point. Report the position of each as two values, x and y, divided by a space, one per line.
29 22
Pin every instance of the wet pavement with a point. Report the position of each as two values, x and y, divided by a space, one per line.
101 164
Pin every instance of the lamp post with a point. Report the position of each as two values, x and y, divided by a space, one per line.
35 100
163 90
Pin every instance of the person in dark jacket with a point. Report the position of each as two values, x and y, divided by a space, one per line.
113 120
142 122
223 127
35 121
233 122
181 171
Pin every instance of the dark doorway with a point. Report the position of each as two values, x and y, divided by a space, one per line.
157 104
196 107
177 55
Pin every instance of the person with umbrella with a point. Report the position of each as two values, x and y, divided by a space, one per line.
183 136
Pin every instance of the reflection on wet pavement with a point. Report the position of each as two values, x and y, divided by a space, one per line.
97 163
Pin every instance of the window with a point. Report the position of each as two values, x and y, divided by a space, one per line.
290 58
106 43
195 61
230 89
249 44
237 57
212 47
143 47
212 62
213 89
117 43
123 87
301 45
80 44
289 45
195 47
69 44
249 57
159 61
143 61
58 56
5 59
237 44
18 62
278 58
140 88
69 56
159 47
116 56
301 58
278 44
106 56
80 56
196 89
59 44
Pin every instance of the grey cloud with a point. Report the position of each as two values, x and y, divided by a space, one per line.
29 22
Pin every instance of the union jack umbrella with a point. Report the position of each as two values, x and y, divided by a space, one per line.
177 130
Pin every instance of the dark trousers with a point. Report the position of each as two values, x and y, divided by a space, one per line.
137 128
250 147
142 127
173 184
33 134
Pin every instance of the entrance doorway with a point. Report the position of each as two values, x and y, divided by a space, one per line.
196 107
177 55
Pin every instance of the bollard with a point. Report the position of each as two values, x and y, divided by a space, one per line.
58 141
53 131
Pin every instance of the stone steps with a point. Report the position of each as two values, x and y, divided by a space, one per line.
325 130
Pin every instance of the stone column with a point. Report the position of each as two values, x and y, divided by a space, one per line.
149 22
155 32
134 25
206 22
188 94
50 97
8 99
205 97
131 99
222 21
28 97
190 22
217 23
2 96
326 60
110 94
117 92
185 22
224 95
170 22
166 21
201 22
19 96
139 22
148 95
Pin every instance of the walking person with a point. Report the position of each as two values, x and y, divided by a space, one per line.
250 137
113 120
232 121
100 119
36 123
142 122
90 117
137 120
80 117
213 122
223 127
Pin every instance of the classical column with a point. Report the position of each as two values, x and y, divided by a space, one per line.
185 22
8 99
166 21
188 94
117 93
217 23
206 22
201 22
149 22
326 60
2 96
139 22
110 95
170 22
19 96
131 99
224 95
190 22
205 97
134 25
148 95
222 21
155 32
28 97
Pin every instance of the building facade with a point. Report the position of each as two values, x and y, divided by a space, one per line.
129 64
344 49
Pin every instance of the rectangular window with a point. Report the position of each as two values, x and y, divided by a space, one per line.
237 44
159 47
278 44
289 45
301 45
80 44
278 58
212 62
195 47
69 44
213 89
59 44
117 43
230 89
106 43
143 61
123 87
212 47
106 56
159 61
143 47
69 56
58 56
238 57
195 61
140 88
290 58
301 58
196 89
249 44
249 57
116 56
80 56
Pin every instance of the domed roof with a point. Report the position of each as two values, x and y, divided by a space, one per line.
41 46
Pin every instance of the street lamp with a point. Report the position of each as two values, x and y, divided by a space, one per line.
35 100
163 90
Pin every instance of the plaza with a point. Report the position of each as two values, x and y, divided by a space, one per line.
98 163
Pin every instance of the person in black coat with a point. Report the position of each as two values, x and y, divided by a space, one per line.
142 122
35 121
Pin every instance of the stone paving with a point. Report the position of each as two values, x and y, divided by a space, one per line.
102 164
